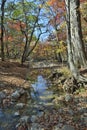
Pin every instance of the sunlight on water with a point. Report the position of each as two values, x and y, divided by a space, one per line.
40 85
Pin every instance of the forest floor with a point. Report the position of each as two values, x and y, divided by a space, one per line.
72 112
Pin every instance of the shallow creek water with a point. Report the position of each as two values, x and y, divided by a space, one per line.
41 97
41 92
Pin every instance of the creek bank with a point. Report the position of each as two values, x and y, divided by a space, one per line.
66 81
41 109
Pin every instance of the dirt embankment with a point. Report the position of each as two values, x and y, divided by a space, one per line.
12 74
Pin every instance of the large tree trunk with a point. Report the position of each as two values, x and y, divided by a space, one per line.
76 33
75 45
72 66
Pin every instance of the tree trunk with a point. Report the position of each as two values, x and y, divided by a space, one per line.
72 66
24 56
2 29
76 33
75 45
6 43
59 57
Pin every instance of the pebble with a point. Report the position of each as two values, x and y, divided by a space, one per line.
67 127
25 119
16 114
35 126
15 95
21 91
20 105
2 95
33 118
71 112
68 97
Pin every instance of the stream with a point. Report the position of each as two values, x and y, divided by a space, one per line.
41 98
41 93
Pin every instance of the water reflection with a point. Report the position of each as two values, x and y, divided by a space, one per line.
41 92
40 85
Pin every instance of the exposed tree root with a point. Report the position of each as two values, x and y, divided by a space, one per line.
71 84
82 79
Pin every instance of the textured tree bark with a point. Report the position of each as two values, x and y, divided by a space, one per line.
72 66
75 45
76 34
